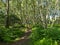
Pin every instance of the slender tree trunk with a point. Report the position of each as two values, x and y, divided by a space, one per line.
7 16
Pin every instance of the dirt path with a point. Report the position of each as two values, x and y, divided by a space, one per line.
23 41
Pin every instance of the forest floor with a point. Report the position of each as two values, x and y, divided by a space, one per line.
24 40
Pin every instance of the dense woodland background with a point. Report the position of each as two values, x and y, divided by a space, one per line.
42 17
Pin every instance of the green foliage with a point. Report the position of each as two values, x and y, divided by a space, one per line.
53 33
50 33
37 33
8 35
46 42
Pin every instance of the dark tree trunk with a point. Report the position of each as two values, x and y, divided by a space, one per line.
7 16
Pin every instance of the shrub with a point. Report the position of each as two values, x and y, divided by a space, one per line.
53 33
50 33
37 33
45 42
8 35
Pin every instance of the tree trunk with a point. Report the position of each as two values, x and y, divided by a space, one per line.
7 16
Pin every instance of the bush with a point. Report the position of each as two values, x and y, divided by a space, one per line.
45 42
37 33
50 33
8 35
53 33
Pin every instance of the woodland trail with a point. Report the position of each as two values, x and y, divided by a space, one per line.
23 41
